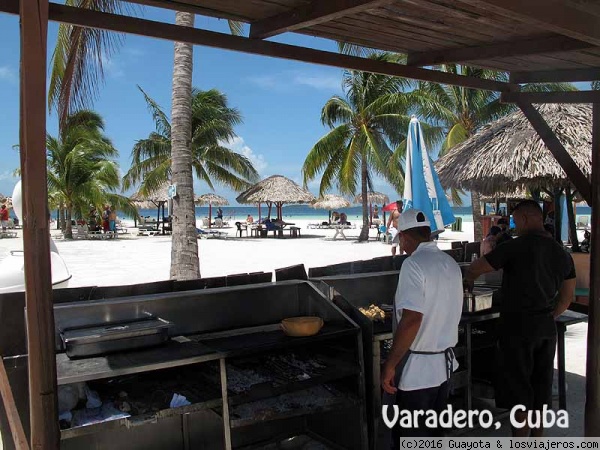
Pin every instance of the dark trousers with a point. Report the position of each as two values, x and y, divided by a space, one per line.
435 399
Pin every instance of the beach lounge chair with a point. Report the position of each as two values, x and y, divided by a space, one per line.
80 232
210 233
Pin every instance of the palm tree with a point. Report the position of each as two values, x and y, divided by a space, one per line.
462 111
367 137
213 123
80 172
77 61
184 257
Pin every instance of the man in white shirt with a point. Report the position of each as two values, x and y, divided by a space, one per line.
428 307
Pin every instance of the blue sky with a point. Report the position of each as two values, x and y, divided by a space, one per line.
280 100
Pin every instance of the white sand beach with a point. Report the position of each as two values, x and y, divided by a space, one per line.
132 259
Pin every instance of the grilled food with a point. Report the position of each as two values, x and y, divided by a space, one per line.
373 312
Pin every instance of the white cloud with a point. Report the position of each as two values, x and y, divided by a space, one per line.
295 79
112 67
8 175
238 145
327 82
8 74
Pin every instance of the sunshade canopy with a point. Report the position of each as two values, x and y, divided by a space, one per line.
508 155
276 189
373 197
330 201
211 199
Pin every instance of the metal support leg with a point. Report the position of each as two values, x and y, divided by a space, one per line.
468 359
226 423
376 389
562 390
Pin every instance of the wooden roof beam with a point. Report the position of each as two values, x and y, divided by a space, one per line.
142 27
551 97
176 5
556 76
574 173
500 50
313 13
552 15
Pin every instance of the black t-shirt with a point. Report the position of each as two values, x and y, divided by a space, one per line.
534 267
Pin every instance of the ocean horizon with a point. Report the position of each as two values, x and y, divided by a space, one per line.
305 212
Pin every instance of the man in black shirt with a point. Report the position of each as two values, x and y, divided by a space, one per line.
538 284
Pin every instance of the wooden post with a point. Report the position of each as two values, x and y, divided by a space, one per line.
577 177
592 403
45 433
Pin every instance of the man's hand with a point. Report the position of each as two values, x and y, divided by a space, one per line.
475 270
388 373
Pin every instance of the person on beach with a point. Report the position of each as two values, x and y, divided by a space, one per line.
538 284
489 243
112 220
504 235
219 214
343 219
376 212
392 227
249 219
4 217
105 215
428 308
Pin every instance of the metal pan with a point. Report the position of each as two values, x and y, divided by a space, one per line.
114 337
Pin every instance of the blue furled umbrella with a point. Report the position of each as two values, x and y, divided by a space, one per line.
422 187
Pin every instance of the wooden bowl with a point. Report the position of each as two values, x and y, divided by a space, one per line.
301 326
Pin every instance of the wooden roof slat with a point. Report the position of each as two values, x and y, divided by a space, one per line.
391 44
503 49
556 76
551 97
143 27
312 13
417 26
551 15
350 25
482 20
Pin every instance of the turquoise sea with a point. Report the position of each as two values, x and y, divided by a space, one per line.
307 213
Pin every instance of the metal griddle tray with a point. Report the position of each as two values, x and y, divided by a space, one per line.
114 337
479 300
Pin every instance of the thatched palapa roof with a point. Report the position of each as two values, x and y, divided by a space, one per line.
330 201
508 154
211 199
275 189
159 196
373 197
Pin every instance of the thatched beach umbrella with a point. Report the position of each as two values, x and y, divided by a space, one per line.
329 202
211 199
275 190
373 197
508 154
158 198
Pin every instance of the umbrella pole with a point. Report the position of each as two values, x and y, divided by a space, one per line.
209 215
259 217
370 214
270 205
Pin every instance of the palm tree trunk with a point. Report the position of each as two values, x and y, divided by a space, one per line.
364 233
62 219
477 226
572 225
185 264
69 226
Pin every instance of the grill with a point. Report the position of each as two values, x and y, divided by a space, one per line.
246 383
351 292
